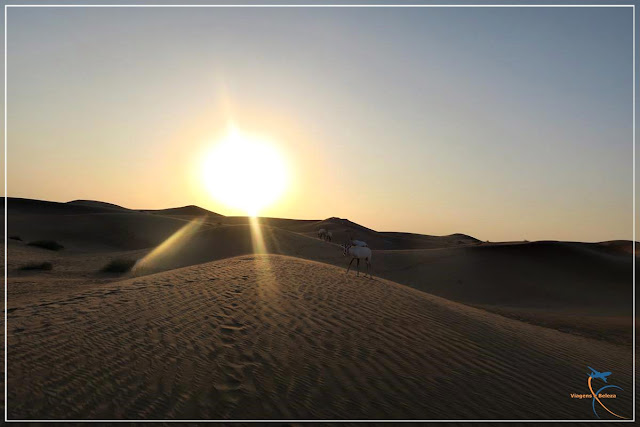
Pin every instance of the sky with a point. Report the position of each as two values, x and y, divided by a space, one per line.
504 124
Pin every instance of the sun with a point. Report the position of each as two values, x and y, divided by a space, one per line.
244 172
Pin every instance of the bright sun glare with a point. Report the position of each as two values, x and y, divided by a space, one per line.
245 172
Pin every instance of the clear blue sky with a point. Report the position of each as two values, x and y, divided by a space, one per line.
506 124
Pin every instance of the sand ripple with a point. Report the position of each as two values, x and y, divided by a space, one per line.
257 337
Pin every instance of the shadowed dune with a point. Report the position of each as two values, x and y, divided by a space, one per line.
97 204
88 227
17 206
184 211
125 229
581 288
519 275
279 337
343 230
96 231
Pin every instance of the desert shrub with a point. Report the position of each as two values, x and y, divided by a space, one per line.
52 245
15 238
119 265
37 266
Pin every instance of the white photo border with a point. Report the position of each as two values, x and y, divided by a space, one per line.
633 239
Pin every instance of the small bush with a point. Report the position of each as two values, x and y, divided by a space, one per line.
15 238
37 266
119 266
47 244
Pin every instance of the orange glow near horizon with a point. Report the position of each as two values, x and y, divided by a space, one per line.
245 172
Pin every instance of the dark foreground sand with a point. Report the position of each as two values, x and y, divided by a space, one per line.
279 337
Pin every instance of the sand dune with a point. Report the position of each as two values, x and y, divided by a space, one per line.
190 210
89 227
96 231
574 287
518 275
18 206
202 328
279 337
80 226
343 230
98 204
72 271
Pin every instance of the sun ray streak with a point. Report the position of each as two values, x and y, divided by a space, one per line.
257 238
268 291
174 243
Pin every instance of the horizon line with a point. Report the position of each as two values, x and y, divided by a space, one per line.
6 197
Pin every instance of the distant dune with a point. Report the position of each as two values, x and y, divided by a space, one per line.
104 231
343 229
190 210
17 205
277 337
138 231
97 204
581 288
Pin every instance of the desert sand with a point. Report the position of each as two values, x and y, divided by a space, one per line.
449 328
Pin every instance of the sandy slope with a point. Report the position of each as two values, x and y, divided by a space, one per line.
96 231
280 337
72 271
575 287
98 225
